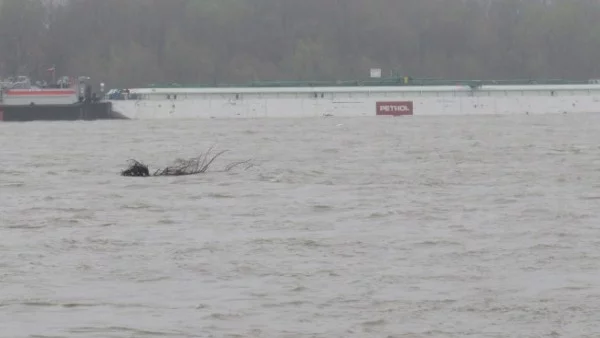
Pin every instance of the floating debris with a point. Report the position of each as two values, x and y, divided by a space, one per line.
136 169
181 167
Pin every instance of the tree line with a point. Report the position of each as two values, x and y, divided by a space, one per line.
138 42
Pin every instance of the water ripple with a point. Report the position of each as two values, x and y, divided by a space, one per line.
421 227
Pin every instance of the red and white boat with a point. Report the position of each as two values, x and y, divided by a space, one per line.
67 99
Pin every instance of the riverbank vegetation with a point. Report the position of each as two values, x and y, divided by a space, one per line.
138 42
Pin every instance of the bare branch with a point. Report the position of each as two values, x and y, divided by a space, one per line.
230 166
181 167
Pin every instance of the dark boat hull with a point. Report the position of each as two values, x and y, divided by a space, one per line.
72 112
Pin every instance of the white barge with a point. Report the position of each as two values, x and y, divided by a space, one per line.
396 97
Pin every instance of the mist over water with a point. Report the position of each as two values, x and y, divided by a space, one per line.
362 227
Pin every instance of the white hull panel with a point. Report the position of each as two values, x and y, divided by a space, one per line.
282 108
345 102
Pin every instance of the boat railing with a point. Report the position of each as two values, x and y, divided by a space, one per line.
380 82
15 85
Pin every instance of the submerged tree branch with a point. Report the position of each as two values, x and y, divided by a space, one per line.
181 167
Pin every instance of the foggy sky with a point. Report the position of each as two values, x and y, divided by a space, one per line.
136 42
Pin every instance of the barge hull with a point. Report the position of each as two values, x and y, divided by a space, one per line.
71 112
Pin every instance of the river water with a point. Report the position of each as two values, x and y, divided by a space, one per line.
359 227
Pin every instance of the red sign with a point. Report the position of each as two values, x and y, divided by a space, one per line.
395 108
